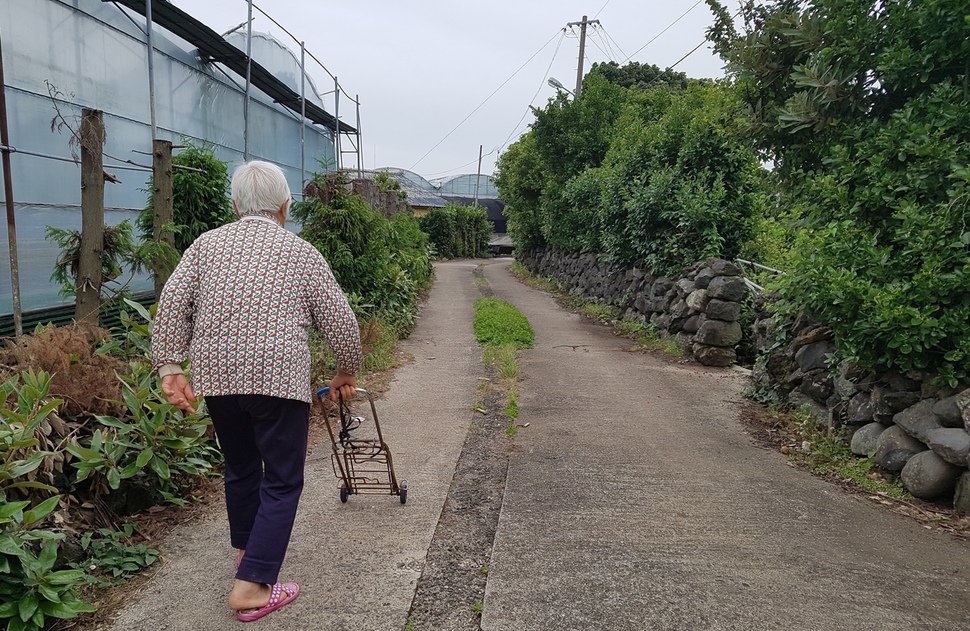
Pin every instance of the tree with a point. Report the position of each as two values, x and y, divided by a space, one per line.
639 76
865 110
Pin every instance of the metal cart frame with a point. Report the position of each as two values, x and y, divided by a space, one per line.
363 465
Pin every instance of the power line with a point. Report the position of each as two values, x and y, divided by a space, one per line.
694 50
538 90
606 42
482 103
601 9
606 54
664 31
458 168
605 32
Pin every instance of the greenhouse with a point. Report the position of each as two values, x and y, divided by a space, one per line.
60 57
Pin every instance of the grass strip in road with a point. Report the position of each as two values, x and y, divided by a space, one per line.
451 589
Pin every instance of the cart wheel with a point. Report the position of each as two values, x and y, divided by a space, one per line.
344 495
403 492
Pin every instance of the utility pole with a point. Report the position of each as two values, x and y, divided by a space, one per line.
582 51
478 178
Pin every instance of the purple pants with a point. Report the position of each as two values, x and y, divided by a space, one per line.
264 441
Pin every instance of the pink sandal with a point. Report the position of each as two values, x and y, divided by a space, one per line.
276 600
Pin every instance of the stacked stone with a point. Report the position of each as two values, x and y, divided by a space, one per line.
701 306
926 442
907 424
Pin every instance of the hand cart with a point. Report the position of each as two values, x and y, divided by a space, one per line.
361 459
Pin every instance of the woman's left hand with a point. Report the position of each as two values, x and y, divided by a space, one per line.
179 392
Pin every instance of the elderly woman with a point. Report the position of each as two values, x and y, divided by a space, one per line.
239 306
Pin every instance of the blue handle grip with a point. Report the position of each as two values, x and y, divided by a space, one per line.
324 390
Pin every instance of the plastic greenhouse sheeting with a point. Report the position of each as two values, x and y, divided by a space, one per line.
93 54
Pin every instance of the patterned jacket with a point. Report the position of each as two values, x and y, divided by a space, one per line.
240 305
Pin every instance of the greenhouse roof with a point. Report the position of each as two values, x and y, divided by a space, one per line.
213 47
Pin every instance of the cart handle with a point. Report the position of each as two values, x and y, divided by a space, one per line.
326 389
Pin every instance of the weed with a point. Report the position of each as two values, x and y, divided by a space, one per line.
478 607
484 570
649 337
828 454
110 559
547 283
498 322
600 311
505 359
502 330
512 408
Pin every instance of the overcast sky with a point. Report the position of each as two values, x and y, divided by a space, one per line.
438 78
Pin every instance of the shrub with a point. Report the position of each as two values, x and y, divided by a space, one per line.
200 196
380 264
457 231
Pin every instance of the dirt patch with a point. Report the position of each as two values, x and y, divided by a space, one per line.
451 588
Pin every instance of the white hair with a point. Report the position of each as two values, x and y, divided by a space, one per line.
259 188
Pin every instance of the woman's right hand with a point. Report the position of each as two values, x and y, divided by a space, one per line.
343 385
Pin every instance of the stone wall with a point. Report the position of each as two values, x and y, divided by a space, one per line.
700 306
388 203
905 422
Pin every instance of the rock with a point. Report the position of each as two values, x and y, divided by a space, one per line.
929 477
727 288
698 300
660 287
918 420
703 278
895 447
718 333
721 310
950 443
948 412
814 356
714 355
961 496
902 383
860 408
865 438
817 385
812 336
691 325
844 385
676 325
640 304
721 267
886 402
679 308
817 411
684 286
963 403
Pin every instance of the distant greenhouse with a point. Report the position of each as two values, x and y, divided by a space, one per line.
480 186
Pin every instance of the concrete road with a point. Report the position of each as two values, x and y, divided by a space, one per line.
634 501
357 563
